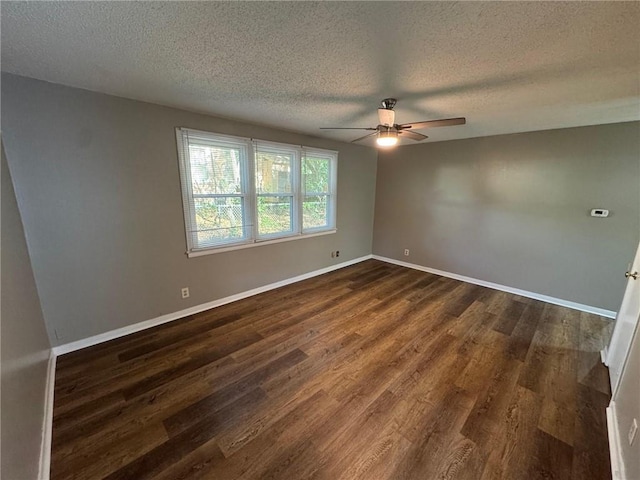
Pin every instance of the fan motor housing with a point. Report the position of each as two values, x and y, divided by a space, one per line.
386 116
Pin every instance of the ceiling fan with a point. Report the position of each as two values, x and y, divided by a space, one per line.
388 131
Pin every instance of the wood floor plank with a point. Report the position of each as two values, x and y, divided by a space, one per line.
192 414
190 365
458 304
184 334
366 439
591 371
510 451
373 371
256 456
552 459
135 379
437 428
524 330
95 463
158 459
492 401
154 406
558 421
590 451
380 458
508 318
462 461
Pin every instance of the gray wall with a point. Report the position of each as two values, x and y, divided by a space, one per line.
98 186
514 209
24 345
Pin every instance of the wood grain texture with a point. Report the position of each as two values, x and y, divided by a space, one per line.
373 371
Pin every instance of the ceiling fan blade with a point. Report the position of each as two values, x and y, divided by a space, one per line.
348 128
445 122
412 135
362 138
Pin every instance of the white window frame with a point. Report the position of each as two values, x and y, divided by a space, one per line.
333 186
248 171
295 152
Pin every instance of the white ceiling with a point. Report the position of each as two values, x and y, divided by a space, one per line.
506 66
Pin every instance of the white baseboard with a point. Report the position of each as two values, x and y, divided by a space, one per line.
516 291
121 332
47 421
603 355
617 464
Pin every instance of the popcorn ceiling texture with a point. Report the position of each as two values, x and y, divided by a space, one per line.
506 66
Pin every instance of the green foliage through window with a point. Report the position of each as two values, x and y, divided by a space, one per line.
316 172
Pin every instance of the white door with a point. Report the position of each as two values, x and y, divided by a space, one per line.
625 325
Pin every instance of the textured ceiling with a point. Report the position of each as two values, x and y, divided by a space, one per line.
506 66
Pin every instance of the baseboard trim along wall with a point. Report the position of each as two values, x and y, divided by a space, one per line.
603 355
121 332
617 464
516 291
47 421
136 327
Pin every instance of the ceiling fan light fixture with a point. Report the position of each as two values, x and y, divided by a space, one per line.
387 139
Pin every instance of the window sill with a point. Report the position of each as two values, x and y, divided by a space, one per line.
211 251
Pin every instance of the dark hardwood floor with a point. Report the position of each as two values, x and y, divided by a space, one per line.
373 371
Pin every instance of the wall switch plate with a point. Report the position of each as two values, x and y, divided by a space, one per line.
406 252
632 431
599 212
185 292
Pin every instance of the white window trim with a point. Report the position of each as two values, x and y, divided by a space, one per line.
333 188
296 219
253 239
213 250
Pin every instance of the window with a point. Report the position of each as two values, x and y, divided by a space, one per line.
318 183
275 190
239 192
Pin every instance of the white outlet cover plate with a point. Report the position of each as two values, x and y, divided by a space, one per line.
632 431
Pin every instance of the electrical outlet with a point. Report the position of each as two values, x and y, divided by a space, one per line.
632 431
337 253
185 292
406 252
